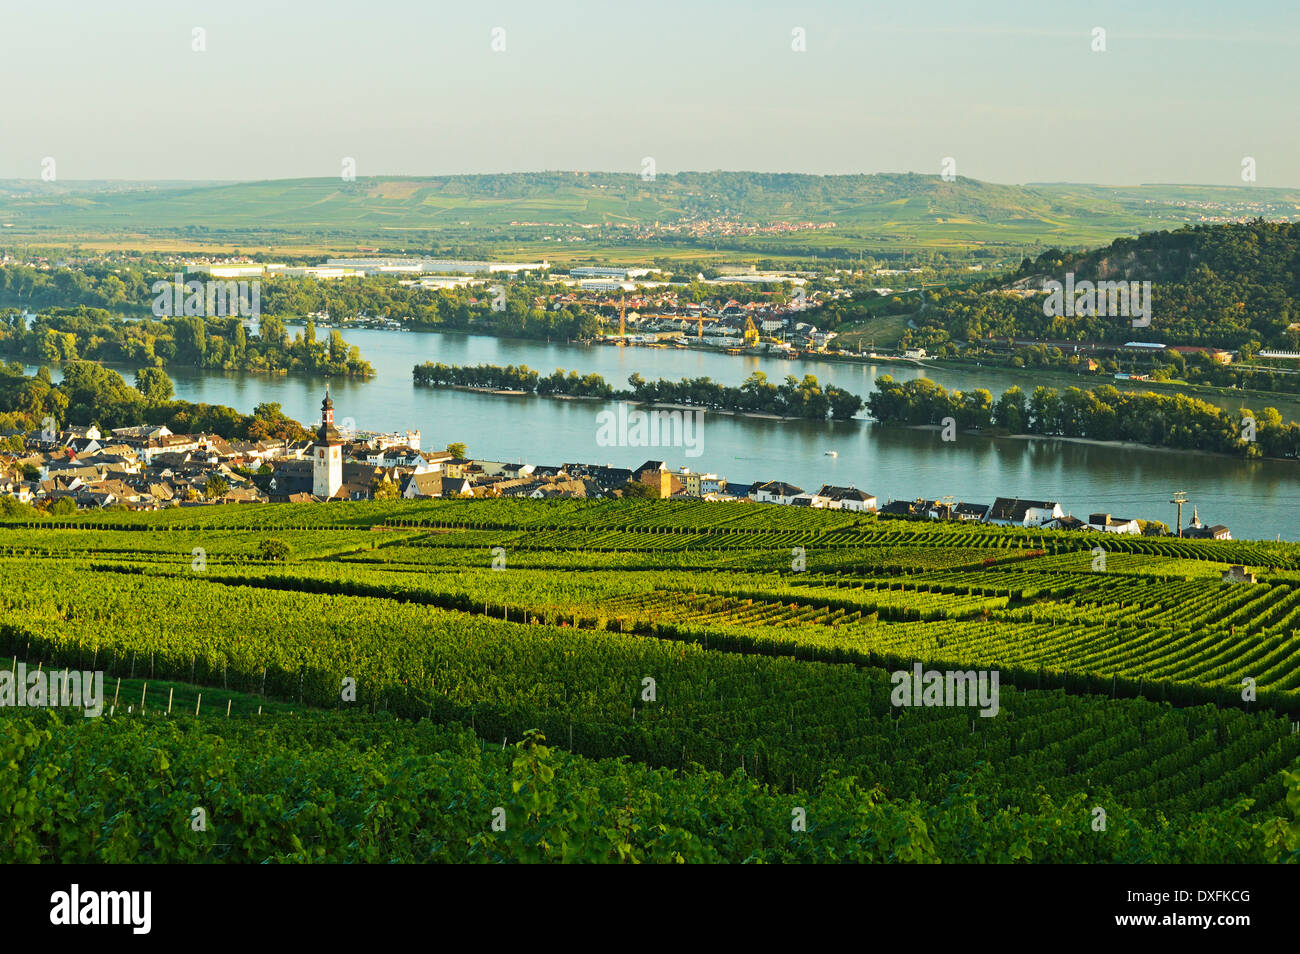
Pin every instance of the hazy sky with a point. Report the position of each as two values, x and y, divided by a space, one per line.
1011 90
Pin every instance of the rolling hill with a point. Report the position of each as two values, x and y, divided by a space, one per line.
868 211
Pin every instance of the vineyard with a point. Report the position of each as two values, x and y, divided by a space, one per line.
643 680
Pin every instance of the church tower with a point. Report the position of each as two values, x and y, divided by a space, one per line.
327 454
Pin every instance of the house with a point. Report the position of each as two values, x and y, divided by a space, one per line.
288 478
456 487
774 491
1014 512
1216 532
847 498
167 444
697 485
1105 523
496 468
421 486
401 456
459 467
246 494
83 446
910 509
970 511
217 445
936 509
553 489
1199 531
511 487
145 432
416 486
607 478
656 475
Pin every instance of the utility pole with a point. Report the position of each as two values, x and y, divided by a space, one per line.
1180 498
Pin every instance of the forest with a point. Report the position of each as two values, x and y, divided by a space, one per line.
1226 286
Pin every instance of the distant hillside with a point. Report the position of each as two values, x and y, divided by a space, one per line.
867 209
1224 285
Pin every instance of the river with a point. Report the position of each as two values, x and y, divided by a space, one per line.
1255 499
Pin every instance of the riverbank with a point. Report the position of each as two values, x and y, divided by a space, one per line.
1094 442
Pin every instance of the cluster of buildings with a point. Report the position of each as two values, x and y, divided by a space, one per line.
722 323
1003 512
149 467
364 268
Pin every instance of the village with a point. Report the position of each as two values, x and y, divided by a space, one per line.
149 468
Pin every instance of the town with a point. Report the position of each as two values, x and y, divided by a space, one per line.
149 468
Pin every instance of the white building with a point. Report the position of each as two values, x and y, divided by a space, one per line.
1105 523
774 491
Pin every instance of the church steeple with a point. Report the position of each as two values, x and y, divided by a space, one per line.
327 454
326 433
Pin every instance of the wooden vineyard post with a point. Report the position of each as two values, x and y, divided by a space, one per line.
117 691
198 703
170 693
143 689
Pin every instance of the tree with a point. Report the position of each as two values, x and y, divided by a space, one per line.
11 507
155 385
634 489
458 449
274 550
216 487
191 340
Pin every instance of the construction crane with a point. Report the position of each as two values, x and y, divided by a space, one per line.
699 326
751 333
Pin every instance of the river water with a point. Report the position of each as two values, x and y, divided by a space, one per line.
1255 499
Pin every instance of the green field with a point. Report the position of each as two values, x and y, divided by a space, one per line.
645 681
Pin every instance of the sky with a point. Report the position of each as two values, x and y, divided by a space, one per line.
1011 91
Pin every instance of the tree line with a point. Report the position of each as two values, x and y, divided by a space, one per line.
1104 413
791 398
72 334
